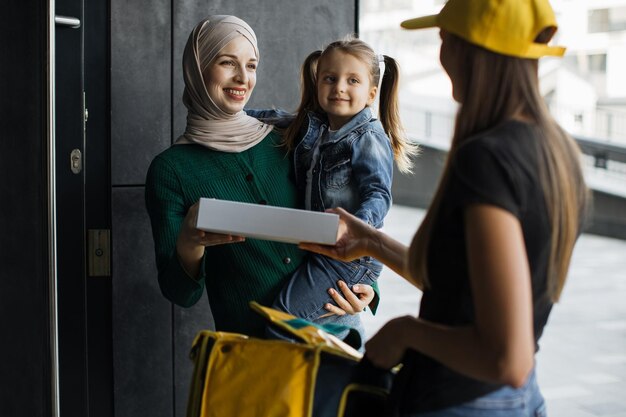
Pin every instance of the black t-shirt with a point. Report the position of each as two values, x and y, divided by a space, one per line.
500 168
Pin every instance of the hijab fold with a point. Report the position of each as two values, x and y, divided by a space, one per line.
207 124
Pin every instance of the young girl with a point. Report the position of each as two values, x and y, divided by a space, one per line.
343 157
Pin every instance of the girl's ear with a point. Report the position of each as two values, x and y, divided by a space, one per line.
372 95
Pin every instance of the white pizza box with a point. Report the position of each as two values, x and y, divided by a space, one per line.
267 222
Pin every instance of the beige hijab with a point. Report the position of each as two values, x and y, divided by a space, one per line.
207 124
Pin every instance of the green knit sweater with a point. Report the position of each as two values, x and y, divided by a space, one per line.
233 274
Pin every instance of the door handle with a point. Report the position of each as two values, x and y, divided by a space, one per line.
68 21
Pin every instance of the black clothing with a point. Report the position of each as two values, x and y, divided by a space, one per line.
498 167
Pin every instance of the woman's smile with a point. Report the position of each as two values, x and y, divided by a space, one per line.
236 93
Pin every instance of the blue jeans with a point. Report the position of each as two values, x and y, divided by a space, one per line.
306 292
526 401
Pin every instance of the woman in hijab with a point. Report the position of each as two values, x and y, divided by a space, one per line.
228 155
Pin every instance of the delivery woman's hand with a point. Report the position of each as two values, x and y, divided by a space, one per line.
355 239
383 353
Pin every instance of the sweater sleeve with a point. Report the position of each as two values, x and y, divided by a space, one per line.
376 301
166 207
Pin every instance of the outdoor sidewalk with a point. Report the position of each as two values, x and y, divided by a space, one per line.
581 364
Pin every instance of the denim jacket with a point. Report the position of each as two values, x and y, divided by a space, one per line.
354 168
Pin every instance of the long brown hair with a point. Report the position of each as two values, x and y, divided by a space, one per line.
389 113
495 89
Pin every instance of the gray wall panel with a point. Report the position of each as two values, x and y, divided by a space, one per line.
142 317
187 323
286 39
140 86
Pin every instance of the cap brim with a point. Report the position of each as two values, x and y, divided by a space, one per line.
421 22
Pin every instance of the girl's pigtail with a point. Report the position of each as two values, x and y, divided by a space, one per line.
389 113
308 100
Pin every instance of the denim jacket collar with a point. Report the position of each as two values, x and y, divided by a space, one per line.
361 118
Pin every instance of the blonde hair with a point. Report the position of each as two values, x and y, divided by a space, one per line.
495 88
389 112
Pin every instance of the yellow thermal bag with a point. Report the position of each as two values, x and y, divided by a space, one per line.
319 376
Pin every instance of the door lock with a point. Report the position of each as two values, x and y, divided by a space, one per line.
76 161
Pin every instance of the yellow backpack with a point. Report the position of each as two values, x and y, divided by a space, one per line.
321 376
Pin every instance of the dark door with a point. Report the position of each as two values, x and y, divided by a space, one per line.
83 209
98 208
70 202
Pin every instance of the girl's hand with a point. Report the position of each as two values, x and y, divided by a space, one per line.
386 349
353 301
354 238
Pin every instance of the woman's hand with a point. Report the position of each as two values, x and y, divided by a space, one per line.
353 301
354 238
386 349
190 237
192 241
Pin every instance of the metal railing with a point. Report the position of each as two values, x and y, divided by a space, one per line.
604 161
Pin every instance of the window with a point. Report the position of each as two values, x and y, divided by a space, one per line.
597 63
607 20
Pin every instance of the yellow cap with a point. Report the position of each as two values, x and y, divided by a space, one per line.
508 27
